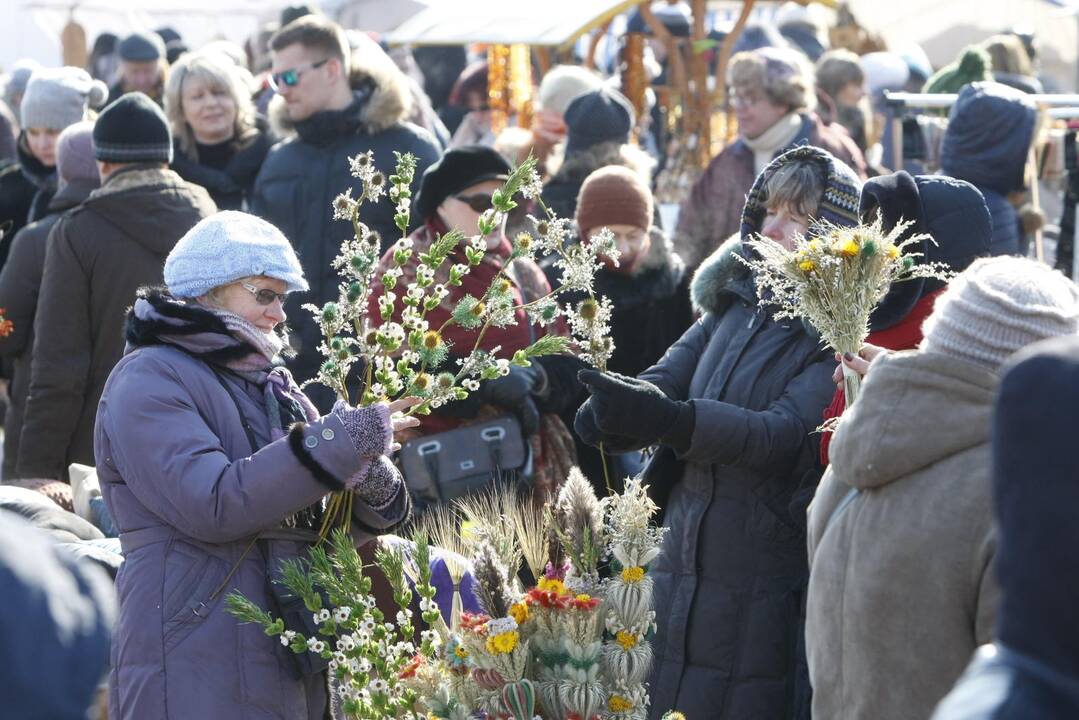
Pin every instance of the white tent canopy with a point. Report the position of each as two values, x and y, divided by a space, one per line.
550 23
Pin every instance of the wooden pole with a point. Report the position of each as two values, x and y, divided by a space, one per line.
702 100
1035 200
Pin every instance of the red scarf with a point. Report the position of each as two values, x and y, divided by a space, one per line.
905 335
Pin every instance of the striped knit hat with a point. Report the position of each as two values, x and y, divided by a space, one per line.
842 190
133 129
998 306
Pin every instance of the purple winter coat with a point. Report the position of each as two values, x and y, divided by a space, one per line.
178 475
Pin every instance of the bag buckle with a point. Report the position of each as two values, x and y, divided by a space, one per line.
493 434
195 610
429 448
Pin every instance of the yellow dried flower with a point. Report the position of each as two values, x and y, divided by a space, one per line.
502 644
524 241
552 585
422 382
461 653
626 639
814 246
892 252
619 704
807 266
431 340
633 574
519 612
848 249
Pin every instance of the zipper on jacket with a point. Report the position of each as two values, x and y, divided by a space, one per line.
754 317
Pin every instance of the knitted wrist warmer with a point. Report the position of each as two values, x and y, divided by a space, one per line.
369 428
380 485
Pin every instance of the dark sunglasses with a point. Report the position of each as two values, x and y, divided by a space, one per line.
264 296
479 202
289 78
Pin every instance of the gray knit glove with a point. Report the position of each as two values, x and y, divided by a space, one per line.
369 428
380 485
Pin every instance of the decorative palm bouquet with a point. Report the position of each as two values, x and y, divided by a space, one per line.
572 646
402 354
836 279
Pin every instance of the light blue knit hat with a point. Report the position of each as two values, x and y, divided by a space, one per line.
228 246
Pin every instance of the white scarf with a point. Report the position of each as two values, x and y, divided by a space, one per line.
779 136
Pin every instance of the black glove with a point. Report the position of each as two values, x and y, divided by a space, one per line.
514 392
638 409
584 424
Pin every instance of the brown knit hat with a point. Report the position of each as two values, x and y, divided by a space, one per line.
613 195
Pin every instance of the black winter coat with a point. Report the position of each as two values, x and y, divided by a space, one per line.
26 187
731 580
20 282
305 172
230 187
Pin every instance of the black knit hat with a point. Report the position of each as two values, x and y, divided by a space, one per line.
458 169
142 47
951 211
132 129
600 116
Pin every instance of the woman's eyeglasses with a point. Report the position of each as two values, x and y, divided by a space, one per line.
264 296
289 78
480 203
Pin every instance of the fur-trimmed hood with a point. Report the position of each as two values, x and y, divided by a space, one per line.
721 277
387 99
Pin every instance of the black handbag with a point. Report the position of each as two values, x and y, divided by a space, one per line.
442 466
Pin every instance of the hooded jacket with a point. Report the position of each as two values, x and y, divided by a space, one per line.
730 581
712 212
990 129
1032 668
304 172
20 282
98 255
901 541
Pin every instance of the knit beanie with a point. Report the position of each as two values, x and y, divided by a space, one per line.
838 205
613 195
141 47
16 82
226 247
562 84
972 66
75 153
133 129
600 116
1000 305
58 97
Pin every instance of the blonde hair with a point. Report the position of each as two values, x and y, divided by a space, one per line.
1008 55
783 75
797 186
219 72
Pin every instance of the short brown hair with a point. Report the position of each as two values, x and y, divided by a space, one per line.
838 68
314 32
798 186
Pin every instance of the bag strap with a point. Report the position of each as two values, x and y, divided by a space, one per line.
239 411
843 504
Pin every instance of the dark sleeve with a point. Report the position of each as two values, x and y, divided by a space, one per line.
564 392
20 281
674 371
60 373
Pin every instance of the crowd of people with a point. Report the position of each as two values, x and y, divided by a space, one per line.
167 210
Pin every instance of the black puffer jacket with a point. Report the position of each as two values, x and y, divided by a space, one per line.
230 187
304 172
731 581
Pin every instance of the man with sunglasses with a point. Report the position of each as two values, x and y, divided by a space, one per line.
332 104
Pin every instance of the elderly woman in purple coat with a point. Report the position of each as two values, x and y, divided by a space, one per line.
213 464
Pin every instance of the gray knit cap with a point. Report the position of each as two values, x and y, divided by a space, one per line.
58 97
998 306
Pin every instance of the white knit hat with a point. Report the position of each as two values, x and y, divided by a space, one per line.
998 306
562 84
58 97
228 246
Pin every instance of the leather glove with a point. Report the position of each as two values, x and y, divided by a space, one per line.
638 409
584 424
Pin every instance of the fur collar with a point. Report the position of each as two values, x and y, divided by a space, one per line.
136 176
720 278
580 165
388 103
